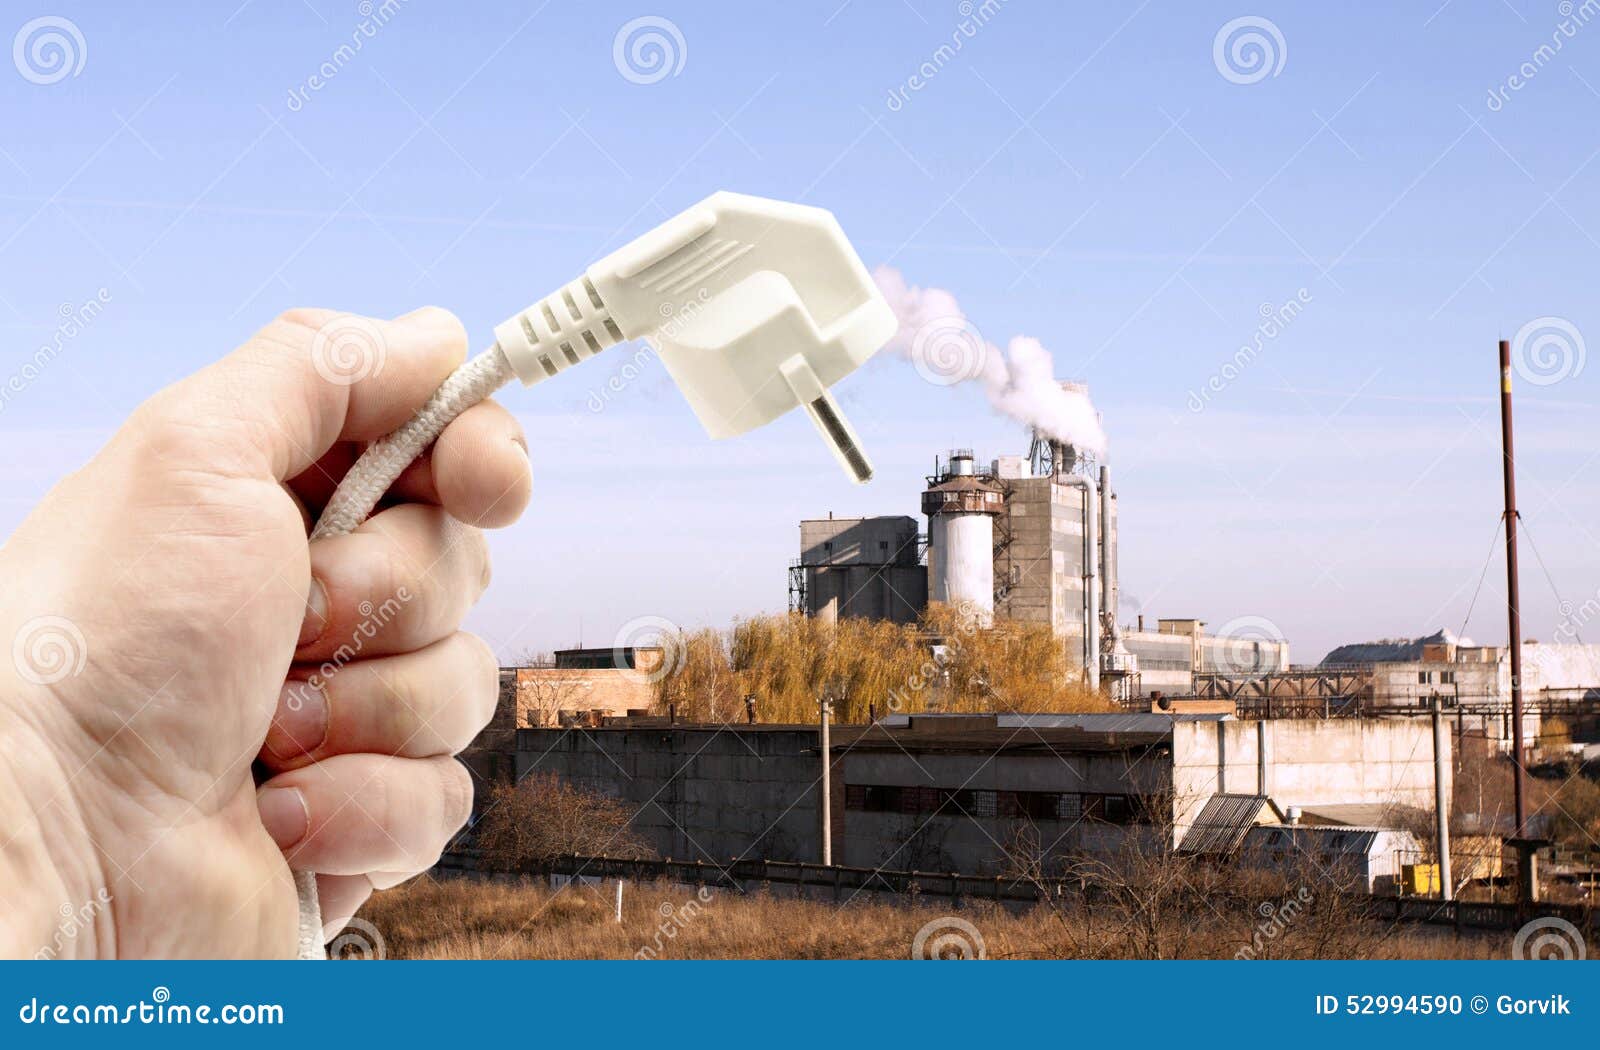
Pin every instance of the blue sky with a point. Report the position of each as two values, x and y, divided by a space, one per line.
1086 174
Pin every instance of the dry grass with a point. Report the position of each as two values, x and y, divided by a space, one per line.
462 919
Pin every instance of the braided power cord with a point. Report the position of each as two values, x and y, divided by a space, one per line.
379 466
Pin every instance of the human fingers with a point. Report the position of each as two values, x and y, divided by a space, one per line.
403 580
421 704
353 814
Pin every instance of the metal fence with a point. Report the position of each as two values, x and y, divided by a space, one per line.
1488 915
842 882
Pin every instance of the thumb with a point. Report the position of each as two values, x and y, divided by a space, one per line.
309 379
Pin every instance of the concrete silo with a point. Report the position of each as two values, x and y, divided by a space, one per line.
961 505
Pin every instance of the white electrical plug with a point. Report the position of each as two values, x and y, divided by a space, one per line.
756 306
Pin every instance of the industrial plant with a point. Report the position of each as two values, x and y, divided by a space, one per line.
1030 539
1368 765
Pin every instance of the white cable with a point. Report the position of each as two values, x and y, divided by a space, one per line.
362 488
386 459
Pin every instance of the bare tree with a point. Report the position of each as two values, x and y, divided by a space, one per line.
545 693
1147 898
544 817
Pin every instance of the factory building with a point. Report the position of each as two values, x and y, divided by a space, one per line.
964 792
1030 539
860 567
1473 682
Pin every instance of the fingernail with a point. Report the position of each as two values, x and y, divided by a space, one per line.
300 724
316 618
521 441
284 815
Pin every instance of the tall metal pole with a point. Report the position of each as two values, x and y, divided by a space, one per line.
1513 599
827 784
1441 804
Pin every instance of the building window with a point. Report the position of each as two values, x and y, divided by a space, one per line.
1424 677
1447 677
1029 805
1117 809
1006 805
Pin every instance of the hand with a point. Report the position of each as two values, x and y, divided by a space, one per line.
171 628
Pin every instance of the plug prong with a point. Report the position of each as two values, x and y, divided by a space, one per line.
840 436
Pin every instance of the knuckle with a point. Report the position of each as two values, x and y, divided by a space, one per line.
455 795
295 331
472 547
299 321
440 318
483 674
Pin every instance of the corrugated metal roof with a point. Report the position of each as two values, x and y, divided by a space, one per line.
1355 814
1319 840
1223 823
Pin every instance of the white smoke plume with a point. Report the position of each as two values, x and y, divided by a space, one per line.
1020 381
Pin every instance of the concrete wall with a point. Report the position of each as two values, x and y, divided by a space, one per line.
712 794
1165 661
886 540
980 845
1480 693
1242 655
889 592
698 793
863 567
1310 762
544 693
1040 569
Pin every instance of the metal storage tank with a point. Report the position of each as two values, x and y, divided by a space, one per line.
866 568
961 506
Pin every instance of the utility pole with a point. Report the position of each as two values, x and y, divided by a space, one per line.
1441 819
1526 847
827 783
1513 601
